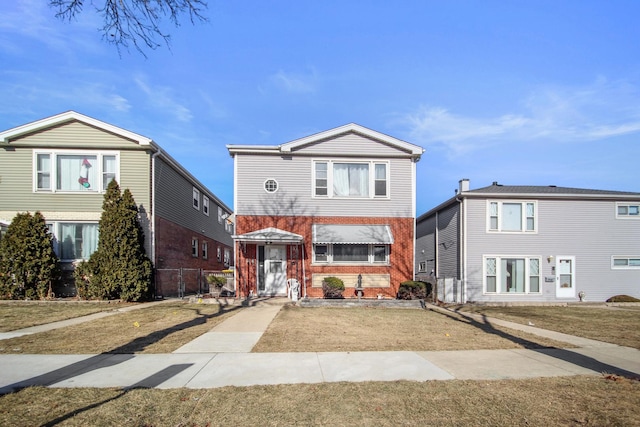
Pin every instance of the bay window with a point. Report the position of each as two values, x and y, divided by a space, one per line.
357 179
69 171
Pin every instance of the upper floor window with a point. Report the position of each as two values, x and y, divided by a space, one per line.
628 210
356 179
196 198
510 216
227 257
205 205
70 171
220 215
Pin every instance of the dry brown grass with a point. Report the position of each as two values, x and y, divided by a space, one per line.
615 325
160 328
23 314
297 329
581 400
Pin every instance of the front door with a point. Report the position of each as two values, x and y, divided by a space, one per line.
275 271
565 277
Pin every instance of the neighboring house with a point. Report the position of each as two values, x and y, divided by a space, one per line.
338 203
506 243
61 166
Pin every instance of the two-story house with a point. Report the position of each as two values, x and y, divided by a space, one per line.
338 203
508 243
61 166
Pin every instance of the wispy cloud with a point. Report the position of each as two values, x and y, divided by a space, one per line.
571 114
295 82
162 97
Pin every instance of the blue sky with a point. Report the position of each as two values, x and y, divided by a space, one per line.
519 92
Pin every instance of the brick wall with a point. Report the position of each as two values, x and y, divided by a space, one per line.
401 256
173 248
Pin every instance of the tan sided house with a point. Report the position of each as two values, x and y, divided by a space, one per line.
61 166
338 203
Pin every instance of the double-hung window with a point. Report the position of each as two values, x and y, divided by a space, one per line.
351 179
205 205
511 275
73 171
512 216
196 198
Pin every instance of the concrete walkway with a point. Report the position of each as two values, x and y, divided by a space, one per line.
222 357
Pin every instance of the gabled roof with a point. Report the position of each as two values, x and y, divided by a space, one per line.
413 150
269 235
69 116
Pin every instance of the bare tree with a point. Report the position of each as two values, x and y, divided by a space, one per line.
134 21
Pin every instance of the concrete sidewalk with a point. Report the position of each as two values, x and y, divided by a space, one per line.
222 357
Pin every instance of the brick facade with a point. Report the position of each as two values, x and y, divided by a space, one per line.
399 269
173 248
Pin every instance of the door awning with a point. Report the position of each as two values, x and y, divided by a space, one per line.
352 234
268 236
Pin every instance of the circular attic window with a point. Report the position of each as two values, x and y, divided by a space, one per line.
271 186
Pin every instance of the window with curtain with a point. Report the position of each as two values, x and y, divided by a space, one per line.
512 275
361 253
76 240
68 171
366 179
351 179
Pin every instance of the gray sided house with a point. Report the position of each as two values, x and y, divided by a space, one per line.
508 243
61 166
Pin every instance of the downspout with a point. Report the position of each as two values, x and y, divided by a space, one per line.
304 275
461 251
153 205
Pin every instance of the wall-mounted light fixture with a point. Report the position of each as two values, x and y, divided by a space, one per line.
550 259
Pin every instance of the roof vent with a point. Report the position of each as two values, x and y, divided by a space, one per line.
552 186
495 183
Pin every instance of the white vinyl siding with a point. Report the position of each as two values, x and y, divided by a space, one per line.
512 216
64 171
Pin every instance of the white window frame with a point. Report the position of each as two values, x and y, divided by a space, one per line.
205 205
196 199
227 257
194 247
220 214
55 231
53 170
370 255
371 179
219 254
271 186
523 219
632 262
632 216
205 250
422 266
527 274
